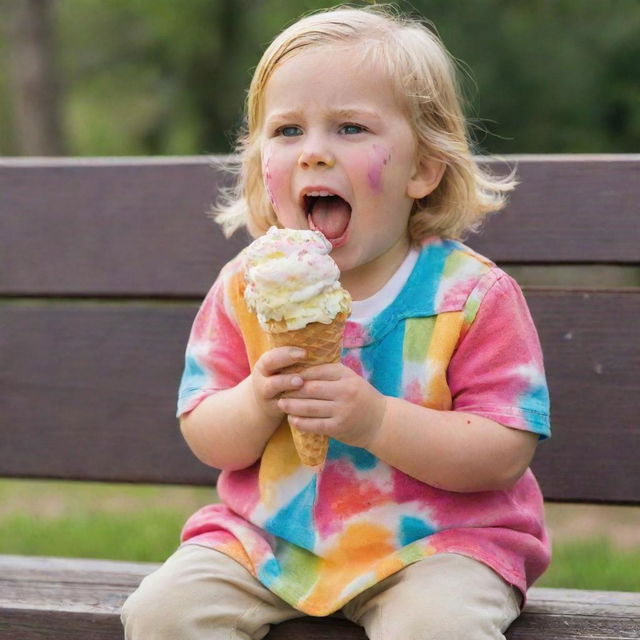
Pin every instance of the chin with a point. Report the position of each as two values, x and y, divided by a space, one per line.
344 261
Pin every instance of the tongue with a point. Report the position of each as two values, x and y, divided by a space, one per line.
331 216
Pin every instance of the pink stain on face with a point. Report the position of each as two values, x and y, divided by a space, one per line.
267 177
378 159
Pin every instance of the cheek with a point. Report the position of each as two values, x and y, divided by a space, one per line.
379 157
271 177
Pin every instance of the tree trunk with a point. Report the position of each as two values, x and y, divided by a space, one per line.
36 92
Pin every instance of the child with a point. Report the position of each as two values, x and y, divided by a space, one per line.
424 521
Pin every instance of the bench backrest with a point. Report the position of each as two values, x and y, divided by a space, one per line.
103 263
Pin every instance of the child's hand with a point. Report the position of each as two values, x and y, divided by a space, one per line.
269 382
337 402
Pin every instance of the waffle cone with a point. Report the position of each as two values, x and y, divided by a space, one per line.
322 344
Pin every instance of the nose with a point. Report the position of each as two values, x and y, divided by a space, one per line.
316 155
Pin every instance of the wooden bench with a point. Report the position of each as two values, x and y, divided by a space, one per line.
102 265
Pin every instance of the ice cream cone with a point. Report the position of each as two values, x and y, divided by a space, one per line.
322 343
292 287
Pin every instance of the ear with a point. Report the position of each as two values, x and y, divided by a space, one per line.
425 179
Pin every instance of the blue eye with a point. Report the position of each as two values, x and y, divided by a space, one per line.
351 129
289 131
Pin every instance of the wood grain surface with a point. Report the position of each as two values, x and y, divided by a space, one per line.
126 228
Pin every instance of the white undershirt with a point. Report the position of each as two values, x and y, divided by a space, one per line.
362 311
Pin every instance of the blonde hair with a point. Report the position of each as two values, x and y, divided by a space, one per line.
424 75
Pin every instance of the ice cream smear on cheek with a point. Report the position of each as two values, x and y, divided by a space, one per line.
267 177
378 160
291 281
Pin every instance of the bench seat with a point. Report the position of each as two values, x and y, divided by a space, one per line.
76 599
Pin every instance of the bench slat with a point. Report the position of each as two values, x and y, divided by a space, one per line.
592 352
154 238
560 211
89 392
89 389
33 624
73 599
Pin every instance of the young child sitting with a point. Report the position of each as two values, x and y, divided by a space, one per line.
425 521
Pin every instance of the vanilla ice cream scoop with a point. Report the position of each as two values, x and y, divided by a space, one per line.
292 281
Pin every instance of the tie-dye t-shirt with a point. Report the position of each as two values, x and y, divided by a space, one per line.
457 337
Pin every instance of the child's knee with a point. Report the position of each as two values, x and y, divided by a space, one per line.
451 622
426 602
151 612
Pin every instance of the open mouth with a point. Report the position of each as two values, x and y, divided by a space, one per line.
328 213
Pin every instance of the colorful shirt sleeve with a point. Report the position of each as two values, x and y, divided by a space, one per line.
215 357
497 370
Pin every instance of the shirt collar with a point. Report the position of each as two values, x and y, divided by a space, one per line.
442 279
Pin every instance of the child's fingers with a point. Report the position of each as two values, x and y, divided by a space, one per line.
328 372
313 425
277 359
316 389
305 408
276 385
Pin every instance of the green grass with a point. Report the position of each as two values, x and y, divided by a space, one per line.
77 519
593 564
148 536
124 522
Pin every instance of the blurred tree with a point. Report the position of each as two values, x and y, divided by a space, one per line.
34 75
145 77
547 75
154 77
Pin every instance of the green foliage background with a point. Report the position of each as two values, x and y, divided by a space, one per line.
160 77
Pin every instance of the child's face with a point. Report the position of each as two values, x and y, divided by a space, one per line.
333 126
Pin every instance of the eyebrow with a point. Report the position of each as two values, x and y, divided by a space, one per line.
341 114
354 114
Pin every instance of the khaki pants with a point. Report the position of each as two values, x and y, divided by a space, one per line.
200 593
